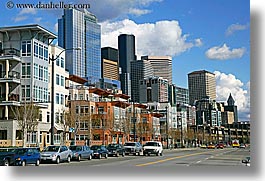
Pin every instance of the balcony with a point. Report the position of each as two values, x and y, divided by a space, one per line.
10 54
11 76
10 51
13 99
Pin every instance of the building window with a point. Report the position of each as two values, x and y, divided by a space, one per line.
3 134
40 72
57 138
26 92
57 79
26 48
41 51
31 137
62 62
36 71
58 62
62 99
45 53
62 81
26 70
57 98
36 49
48 117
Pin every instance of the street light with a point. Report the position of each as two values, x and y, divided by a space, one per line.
166 127
52 59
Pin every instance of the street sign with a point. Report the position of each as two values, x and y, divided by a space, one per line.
71 130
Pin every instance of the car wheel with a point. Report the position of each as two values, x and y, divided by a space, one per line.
157 154
106 156
90 157
99 156
37 163
79 158
161 154
58 160
68 159
118 154
23 163
6 162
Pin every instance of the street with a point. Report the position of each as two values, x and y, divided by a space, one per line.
177 157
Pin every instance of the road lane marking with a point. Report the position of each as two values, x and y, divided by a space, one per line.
172 158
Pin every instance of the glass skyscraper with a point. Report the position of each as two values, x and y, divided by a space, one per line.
79 28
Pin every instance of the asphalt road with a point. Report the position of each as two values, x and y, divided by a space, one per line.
177 157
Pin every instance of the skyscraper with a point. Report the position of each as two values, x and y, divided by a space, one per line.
201 84
162 66
126 46
110 64
140 69
79 28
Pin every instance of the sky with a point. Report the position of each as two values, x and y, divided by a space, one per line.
212 35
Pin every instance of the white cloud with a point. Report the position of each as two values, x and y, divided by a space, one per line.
228 83
56 28
112 9
160 38
20 18
27 11
224 53
138 12
235 27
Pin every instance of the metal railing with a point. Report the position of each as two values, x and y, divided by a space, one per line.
11 97
9 51
10 74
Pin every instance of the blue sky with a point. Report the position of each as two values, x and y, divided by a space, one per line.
199 34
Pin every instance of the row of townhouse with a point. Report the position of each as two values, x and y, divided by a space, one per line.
80 113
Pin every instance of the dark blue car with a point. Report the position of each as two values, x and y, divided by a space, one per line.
24 156
99 151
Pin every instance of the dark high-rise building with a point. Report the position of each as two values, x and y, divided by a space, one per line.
126 46
140 69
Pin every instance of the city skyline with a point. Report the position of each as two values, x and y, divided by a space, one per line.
192 32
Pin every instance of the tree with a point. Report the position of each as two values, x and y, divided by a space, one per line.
27 116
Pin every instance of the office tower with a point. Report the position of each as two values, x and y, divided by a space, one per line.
162 66
201 84
110 64
153 89
231 111
126 46
140 69
79 28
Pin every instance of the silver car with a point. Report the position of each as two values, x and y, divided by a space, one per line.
56 154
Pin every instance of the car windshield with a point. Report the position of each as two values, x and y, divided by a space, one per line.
95 147
52 148
129 144
76 148
20 151
151 144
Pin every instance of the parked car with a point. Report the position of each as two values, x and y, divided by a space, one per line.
220 146
153 147
203 146
133 148
242 145
211 146
7 157
25 156
116 150
99 151
56 154
81 152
